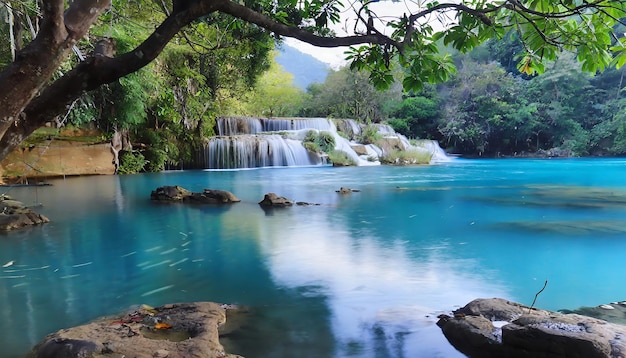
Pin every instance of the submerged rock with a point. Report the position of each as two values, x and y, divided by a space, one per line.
273 200
182 330
207 196
614 312
499 328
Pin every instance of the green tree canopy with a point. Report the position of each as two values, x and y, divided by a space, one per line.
42 77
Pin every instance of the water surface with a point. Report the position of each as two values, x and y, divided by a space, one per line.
361 275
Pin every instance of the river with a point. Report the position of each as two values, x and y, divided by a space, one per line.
360 275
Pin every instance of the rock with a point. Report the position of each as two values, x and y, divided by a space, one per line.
210 196
499 328
304 203
15 215
343 190
359 149
193 333
178 193
170 193
615 314
273 200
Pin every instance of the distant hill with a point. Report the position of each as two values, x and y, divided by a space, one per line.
305 68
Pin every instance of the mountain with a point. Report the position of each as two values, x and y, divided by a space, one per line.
305 68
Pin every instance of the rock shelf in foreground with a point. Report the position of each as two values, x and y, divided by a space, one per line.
181 330
499 328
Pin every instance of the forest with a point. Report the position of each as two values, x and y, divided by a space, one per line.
481 103
488 108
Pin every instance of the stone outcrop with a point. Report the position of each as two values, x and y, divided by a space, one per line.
15 215
182 330
344 190
273 200
207 196
59 159
499 328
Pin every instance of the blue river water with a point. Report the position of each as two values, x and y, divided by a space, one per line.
360 275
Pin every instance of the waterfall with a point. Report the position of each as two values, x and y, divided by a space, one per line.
255 151
246 142
229 126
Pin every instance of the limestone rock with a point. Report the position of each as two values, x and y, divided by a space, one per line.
500 328
344 190
359 149
207 196
210 196
170 193
15 215
190 331
273 200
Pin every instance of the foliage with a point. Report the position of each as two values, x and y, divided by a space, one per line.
275 94
217 50
348 94
340 158
369 135
319 142
417 114
406 157
131 163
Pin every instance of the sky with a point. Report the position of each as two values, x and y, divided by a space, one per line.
335 56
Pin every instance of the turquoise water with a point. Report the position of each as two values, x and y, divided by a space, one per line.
361 275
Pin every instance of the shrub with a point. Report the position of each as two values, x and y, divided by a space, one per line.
131 163
370 135
326 141
340 158
319 142
406 157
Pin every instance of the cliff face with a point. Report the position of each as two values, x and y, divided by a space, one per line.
60 158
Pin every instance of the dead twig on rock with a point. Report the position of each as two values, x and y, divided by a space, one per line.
537 294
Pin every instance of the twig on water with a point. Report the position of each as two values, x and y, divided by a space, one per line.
537 294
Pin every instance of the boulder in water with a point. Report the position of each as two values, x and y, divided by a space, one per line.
208 196
15 215
170 193
500 328
184 330
344 190
273 200
211 196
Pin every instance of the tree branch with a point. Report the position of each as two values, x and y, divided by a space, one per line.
246 14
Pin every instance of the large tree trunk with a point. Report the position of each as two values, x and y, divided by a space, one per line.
35 65
88 75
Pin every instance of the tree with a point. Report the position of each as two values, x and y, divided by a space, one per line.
416 116
348 93
31 93
275 94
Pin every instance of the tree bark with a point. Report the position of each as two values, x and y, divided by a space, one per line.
26 105
35 65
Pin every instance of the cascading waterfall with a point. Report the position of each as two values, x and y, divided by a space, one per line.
254 151
246 142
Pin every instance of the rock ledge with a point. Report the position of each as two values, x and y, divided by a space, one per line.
181 330
500 328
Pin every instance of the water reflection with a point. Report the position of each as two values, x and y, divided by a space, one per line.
372 287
